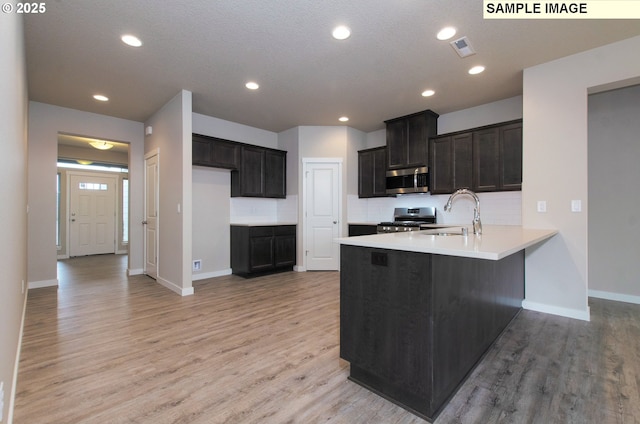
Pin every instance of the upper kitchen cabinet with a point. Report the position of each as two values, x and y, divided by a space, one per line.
481 159
408 138
262 173
372 168
215 152
451 163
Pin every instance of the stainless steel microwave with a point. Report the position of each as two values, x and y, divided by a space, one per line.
409 180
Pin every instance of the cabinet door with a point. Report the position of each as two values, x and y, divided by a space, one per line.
372 168
366 169
285 250
224 154
511 157
441 165
417 141
275 178
261 249
486 154
462 161
397 144
252 172
200 151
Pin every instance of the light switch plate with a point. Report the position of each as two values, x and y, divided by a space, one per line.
542 205
576 206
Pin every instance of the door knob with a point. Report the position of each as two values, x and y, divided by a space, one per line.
144 222
335 222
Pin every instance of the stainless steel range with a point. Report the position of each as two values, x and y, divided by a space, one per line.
408 219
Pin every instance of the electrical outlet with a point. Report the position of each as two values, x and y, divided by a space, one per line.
542 205
197 265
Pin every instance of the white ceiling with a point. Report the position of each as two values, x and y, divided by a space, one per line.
212 48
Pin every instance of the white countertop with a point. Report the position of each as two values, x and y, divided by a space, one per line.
496 241
261 224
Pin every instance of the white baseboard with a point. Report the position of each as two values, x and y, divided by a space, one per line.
135 271
175 288
16 366
555 310
618 297
214 274
299 268
43 283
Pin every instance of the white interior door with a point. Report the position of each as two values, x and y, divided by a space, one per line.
322 215
151 216
92 214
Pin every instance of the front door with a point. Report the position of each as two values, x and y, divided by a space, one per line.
322 215
151 216
92 214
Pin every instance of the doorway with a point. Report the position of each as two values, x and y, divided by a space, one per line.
322 202
151 221
92 206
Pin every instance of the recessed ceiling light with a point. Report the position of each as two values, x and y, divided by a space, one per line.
476 70
131 40
428 93
341 32
446 33
252 85
101 98
343 119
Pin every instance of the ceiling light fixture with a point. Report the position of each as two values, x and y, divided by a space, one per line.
343 119
101 98
84 162
252 85
428 93
341 32
446 33
101 144
476 70
131 40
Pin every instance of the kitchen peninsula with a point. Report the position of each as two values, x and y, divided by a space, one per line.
419 309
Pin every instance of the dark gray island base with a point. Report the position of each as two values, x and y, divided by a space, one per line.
414 325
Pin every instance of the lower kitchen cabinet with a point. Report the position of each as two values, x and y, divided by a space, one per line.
262 248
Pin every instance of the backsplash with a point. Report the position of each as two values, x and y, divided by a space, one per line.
257 210
496 208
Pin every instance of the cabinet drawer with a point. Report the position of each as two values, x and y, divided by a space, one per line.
261 231
285 230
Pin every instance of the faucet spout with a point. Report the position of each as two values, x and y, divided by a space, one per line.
477 224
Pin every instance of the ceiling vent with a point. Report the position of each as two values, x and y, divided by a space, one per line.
462 46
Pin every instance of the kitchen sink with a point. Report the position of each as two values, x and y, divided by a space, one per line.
445 232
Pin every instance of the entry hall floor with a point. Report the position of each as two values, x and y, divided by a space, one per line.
107 348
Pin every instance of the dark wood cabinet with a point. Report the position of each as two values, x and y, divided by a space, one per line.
260 249
262 173
511 156
408 138
481 159
362 229
215 152
275 174
256 171
486 159
413 325
451 163
372 168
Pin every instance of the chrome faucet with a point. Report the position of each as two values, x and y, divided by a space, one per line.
477 225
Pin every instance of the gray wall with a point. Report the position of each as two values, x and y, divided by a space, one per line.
614 206
13 164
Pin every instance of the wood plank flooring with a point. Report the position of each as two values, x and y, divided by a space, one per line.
106 348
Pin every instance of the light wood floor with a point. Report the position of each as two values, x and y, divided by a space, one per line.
104 348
